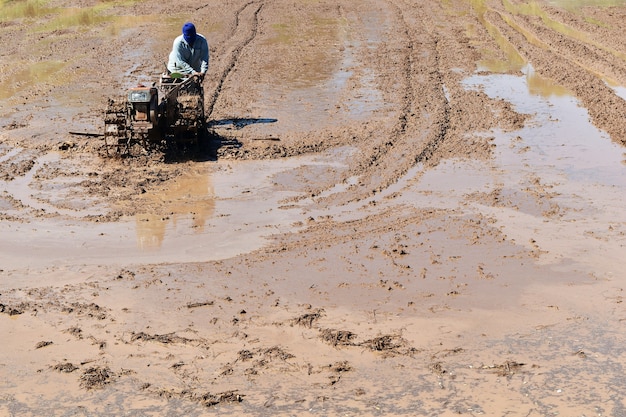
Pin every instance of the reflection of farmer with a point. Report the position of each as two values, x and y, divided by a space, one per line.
190 53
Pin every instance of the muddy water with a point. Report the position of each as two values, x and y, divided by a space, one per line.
559 157
554 187
514 61
40 72
560 182
214 212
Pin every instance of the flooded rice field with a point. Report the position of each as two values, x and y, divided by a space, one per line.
400 208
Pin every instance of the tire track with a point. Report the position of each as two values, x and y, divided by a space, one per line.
234 53
438 117
440 123
422 125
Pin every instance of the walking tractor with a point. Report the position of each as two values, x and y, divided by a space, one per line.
170 113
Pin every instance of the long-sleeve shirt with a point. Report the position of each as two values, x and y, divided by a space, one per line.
186 59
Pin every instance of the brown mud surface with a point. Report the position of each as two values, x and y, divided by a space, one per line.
405 208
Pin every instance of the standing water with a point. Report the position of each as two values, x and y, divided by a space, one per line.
560 158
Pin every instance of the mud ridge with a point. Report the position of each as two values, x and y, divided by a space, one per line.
321 233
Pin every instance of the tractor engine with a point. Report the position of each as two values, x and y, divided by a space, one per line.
150 118
142 111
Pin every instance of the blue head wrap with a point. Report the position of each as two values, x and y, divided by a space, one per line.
189 33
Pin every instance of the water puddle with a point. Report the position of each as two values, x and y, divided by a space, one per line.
215 212
620 91
559 155
10 153
190 199
543 87
514 61
558 184
533 9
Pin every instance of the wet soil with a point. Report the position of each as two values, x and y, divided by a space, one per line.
403 208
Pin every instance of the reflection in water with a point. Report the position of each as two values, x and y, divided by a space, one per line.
150 230
577 162
543 87
537 85
534 9
189 197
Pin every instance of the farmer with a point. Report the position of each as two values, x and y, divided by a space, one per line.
190 53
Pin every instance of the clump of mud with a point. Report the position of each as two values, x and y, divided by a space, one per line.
210 400
66 367
207 399
96 377
162 338
307 320
508 368
338 337
11 311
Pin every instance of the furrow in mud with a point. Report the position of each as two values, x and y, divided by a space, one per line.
433 116
579 46
420 126
238 13
575 64
407 69
406 103
417 125
235 51
426 131
579 40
